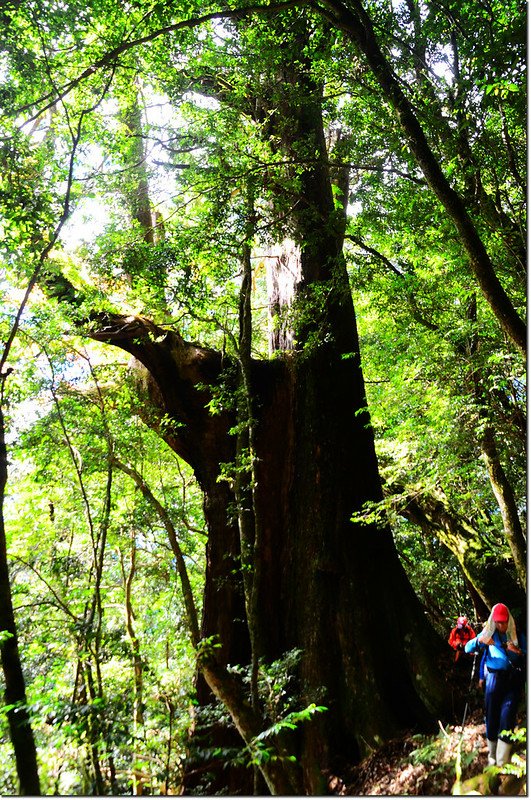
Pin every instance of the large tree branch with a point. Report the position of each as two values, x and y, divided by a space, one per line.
179 380
434 515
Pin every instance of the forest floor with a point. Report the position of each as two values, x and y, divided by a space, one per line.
427 766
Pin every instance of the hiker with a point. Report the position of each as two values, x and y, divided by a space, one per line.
505 678
459 636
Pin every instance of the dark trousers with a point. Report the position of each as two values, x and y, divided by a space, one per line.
503 691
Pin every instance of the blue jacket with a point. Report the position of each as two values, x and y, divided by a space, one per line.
497 656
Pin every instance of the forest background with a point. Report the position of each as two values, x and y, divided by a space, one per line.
301 225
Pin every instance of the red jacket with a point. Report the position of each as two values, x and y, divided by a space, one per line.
460 636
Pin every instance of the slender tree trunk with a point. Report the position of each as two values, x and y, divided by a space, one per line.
171 713
20 729
189 604
356 23
138 669
500 484
504 494
93 730
282 776
137 191
245 482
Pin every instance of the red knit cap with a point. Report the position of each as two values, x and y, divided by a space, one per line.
500 613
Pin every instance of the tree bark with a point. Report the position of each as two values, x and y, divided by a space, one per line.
93 730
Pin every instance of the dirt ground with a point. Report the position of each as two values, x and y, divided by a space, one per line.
428 766
419 765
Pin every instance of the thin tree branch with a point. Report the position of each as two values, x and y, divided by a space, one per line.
189 603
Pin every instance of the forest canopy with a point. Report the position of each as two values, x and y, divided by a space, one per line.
262 381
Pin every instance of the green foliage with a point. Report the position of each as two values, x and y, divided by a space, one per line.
55 523
5 636
277 685
517 765
290 722
207 647
433 751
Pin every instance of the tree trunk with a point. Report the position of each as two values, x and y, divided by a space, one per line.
507 504
331 588
189 605
139 778
93 729
18 718
500 484
137 188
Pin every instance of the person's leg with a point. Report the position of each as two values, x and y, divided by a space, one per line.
503 752
508 710
509 704
493 699
491 758
492 715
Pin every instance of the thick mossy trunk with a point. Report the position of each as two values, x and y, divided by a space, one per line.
491 577
329 587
